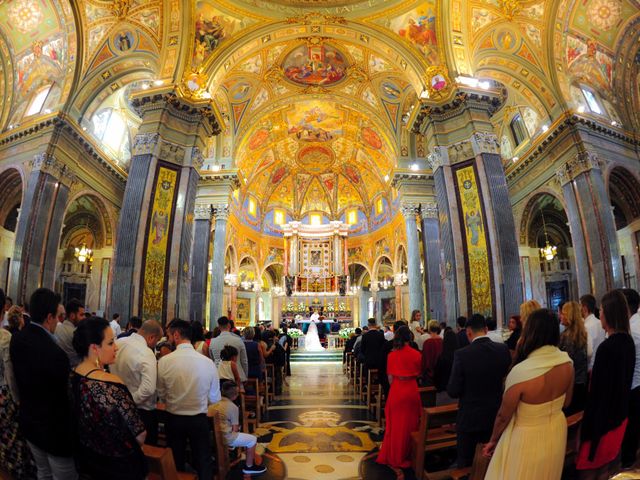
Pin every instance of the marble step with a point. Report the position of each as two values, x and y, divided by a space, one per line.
330 356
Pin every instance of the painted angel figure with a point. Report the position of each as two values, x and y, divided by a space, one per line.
160 224
474 226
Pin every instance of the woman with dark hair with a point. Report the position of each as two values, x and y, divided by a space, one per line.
431 350
228 367
515 326
197 339
254 353
607 409
444 363
574 341
402 410
109 429
530 432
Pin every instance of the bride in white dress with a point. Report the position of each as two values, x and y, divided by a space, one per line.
312 340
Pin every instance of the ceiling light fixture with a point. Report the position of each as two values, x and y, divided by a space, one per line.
549 251
545 127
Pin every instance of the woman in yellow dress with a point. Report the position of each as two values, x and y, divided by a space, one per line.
530 432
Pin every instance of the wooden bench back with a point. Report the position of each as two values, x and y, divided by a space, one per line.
161 464
440 416
427 396
220 448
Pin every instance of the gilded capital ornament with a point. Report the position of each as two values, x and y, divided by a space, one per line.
202 212
410 210
221 211
429 210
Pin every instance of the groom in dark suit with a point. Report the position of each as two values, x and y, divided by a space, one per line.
41 370
477 378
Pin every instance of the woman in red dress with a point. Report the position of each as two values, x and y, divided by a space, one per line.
403 405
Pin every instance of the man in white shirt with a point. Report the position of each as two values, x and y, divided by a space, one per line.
64 331
632 433
595 332
493 332
137 367
388 334
187 382
115 325
228 338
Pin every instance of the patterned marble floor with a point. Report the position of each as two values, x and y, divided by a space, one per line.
318 430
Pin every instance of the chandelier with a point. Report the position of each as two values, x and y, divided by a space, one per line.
384 284
83 254
549 251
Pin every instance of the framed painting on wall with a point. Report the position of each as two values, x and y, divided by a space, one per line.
243 312
388 308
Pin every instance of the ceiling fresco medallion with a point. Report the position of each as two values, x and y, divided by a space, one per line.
315 122
25 15
315 159
317 65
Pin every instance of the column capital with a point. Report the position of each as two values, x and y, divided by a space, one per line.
438 157
485 142
203 212
410 210
582 162
47 163
429 210
221 211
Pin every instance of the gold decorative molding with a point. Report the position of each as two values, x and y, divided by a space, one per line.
120 8
316 18
438 85
510 8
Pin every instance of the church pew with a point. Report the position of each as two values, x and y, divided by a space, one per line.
162 466
251 405
436 431
477 471
573 439
271 382
428 396
373 388
346 367
223 462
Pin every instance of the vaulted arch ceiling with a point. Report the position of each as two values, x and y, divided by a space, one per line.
38 48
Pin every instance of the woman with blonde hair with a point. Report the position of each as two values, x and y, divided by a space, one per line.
573 340
527 308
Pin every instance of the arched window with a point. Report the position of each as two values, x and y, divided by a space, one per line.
37 101
111 128
518 129
592 100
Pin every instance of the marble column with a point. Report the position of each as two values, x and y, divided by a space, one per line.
200 261
152 263
433 261
216 292
416 295
39 227
593 233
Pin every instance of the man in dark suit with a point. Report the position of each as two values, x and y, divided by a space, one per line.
477 379
41 370
372 346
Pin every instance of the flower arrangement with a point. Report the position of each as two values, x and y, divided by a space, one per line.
346 332
342 307
302 307
295 332
329 308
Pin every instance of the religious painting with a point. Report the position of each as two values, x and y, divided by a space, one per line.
243 311
314 121
371 138
239 91
158 243
419 27
212 28
505 39
480 17
315 65
377 64
352 174
25 15
123 40
388 309
40 65
316 258
478 261
390 91
315 158
278 174
258 139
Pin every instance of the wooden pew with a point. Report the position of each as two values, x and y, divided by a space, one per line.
428 396
436 431
373 388
221 450
162 466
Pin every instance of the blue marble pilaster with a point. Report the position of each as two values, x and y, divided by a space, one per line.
432 252
447 244
216 296
200 261
364 309
416 295
126 253
505 235
183 296
39 227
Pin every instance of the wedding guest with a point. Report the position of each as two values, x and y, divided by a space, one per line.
493 333
632 434
415 322
164 349
15 320
530 433
607 409
15 456
8 304
461 323
573 340
229 420
133 326
187 383
228 338
402 410
388 334
444 363
64 331
371 348
515 327
137 367
41 370
198 340
228 368
431 350
592 324
287 343
526 309
115 324
254 354
109 428
476 379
